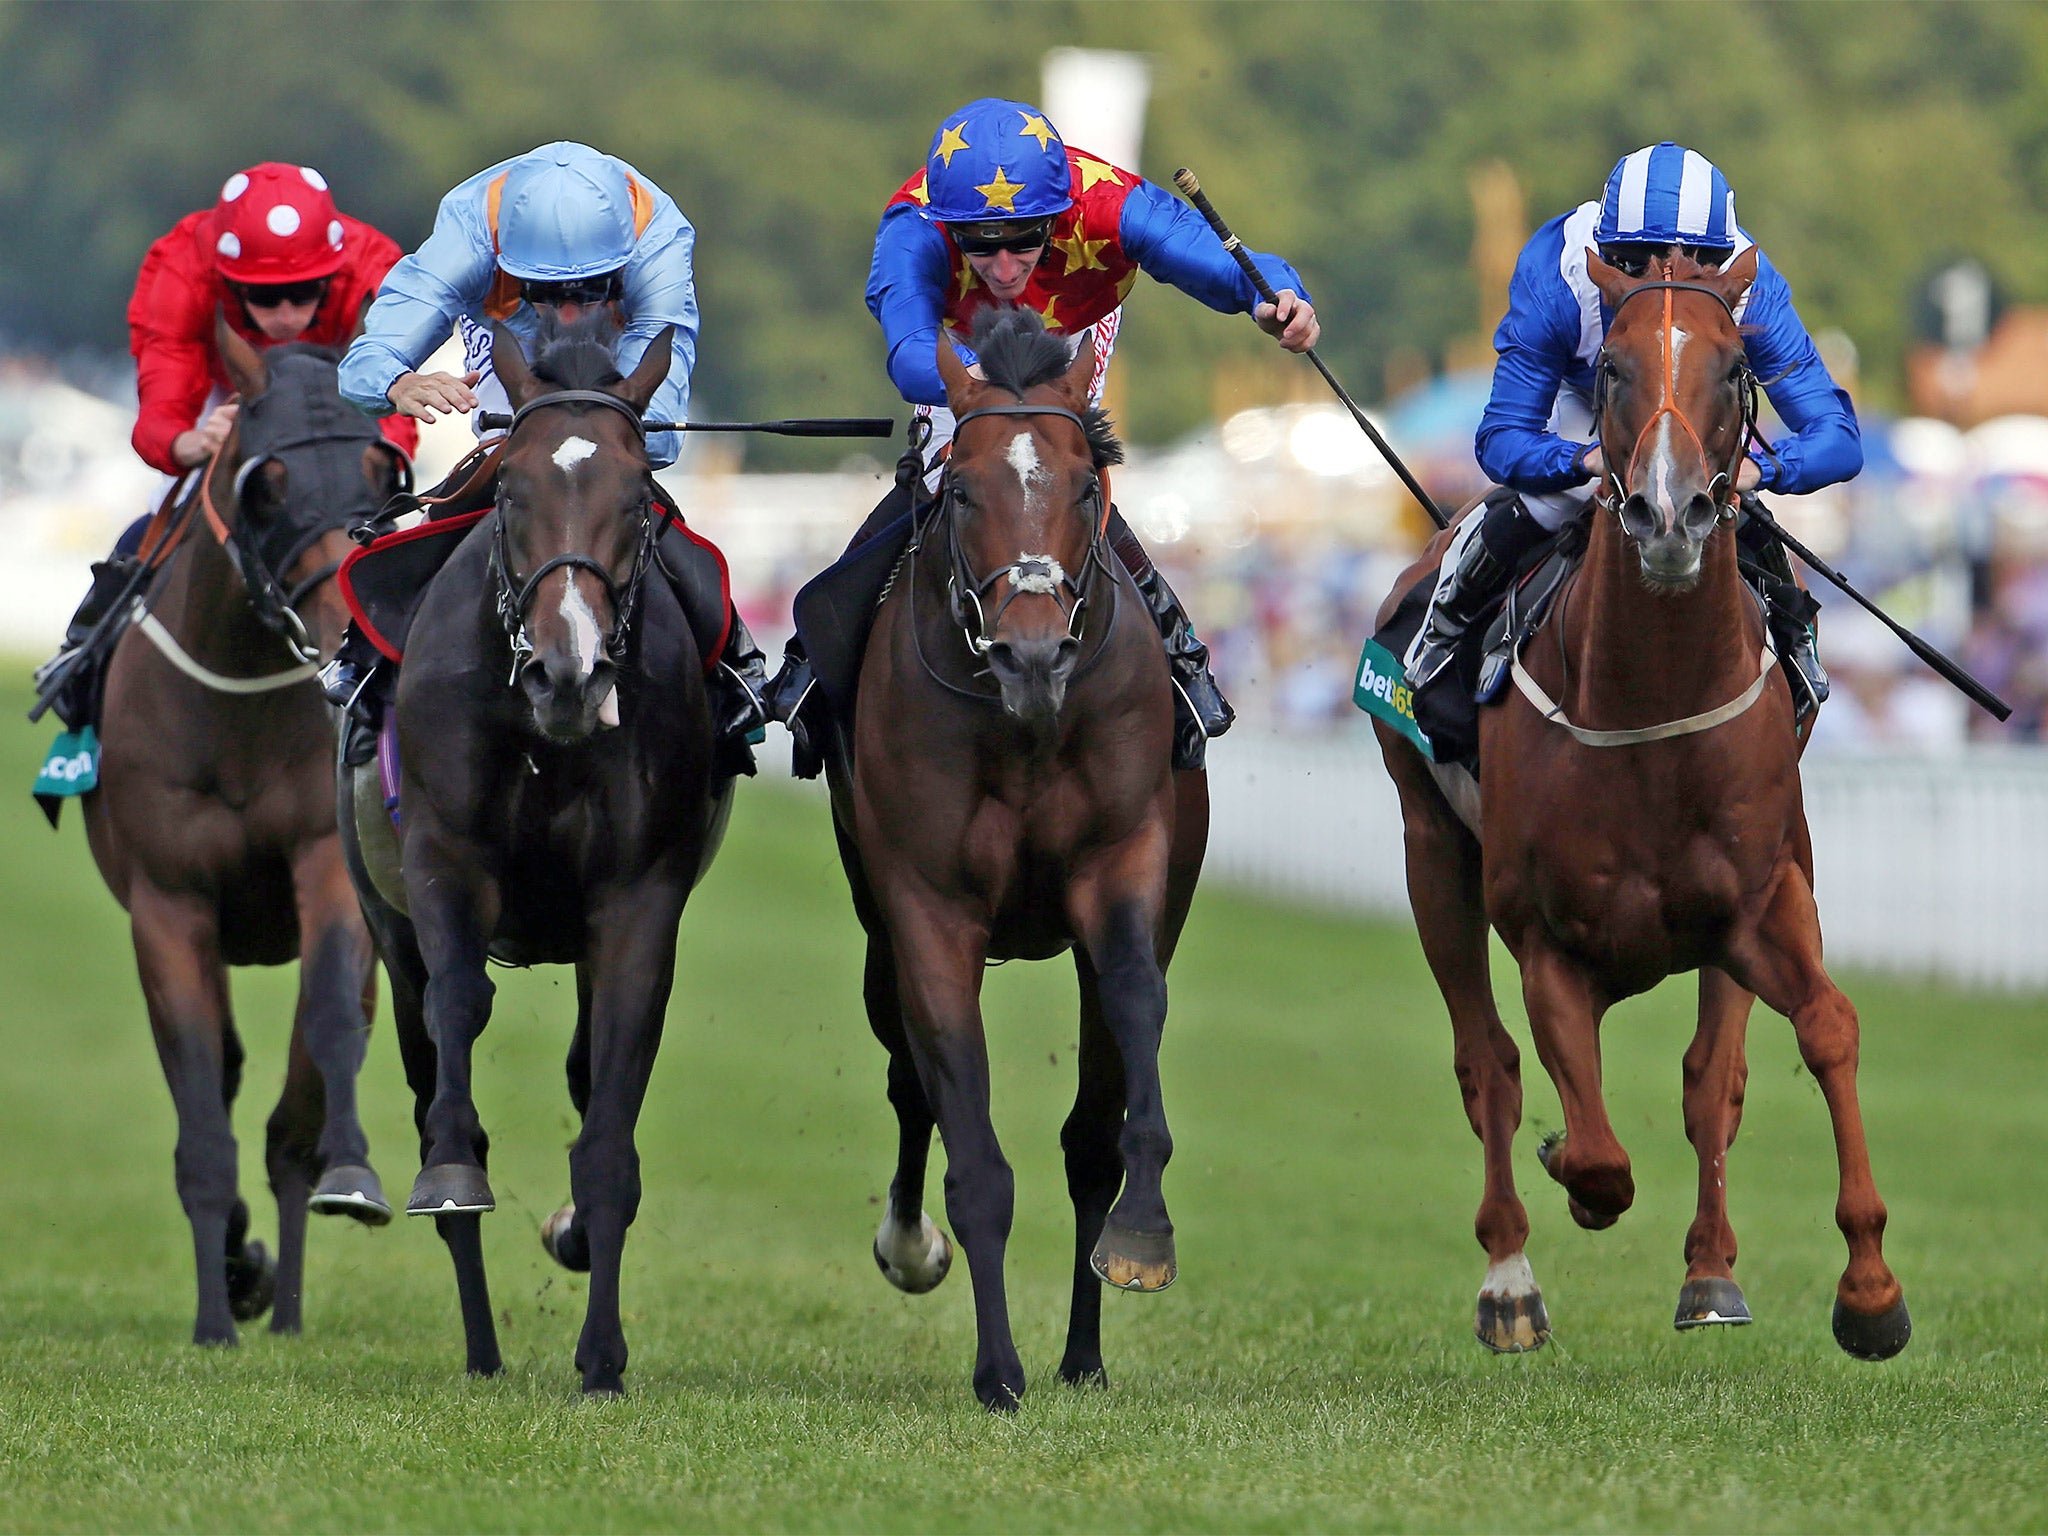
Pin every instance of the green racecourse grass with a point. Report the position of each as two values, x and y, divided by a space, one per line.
1314 1368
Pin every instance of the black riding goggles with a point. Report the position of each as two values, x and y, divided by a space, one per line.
1021 236
271 295
585 292
1635 259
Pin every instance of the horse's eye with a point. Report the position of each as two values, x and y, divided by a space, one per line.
1608 371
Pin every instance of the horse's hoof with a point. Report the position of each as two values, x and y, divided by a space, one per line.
1133 1261
913 1259
1546 1149
1000 1397
1873 1338
450 1189
1085 1377
1711 1302
1592 1221
252 1283
351 1190
1510 1319
568 1248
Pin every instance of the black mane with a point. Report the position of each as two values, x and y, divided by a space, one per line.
1017 353
579 354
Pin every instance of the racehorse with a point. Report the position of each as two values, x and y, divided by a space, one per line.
556 806
1646 822
1008 792
213 823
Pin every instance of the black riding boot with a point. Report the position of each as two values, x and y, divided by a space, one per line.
738 713
1791 610
1199 710
1485 567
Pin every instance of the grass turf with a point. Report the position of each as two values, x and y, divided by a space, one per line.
1314 1368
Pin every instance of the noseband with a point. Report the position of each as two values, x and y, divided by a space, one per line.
1039 574
1721 489
515 596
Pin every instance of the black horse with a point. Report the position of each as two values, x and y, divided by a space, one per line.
558 802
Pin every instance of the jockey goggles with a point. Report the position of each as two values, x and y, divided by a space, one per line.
1021 236
271 295
584 291
1635 259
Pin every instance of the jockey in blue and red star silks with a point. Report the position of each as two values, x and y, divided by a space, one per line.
1001 163
1005 213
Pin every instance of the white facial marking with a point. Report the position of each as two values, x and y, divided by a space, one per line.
582 622
574 451
1510 1278
1023 457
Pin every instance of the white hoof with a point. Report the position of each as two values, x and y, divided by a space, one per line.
913 1259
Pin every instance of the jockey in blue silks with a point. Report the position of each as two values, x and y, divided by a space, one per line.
1539 436
564 230
1005 212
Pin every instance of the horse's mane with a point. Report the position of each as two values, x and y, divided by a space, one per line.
579 354
1017 353
290 349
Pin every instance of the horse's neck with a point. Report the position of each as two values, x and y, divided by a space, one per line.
1640 656
206 607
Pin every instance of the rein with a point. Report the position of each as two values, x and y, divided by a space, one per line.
1039 574
514 597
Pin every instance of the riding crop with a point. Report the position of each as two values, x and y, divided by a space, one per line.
1979 694
1191 188
802 426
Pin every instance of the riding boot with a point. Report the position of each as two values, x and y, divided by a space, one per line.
1199 711
1486 565
738 714
76 700
1790 610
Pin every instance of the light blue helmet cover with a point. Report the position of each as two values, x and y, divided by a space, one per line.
1667 195
996 160
566 212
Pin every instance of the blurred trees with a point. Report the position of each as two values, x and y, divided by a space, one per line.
1865 143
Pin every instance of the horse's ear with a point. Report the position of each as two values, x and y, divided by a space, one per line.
638 388
957 379
245 367
1080 375
1611 281
508 362
1734 280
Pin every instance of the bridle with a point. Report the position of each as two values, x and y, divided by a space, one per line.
1721 490
1040 574
514 596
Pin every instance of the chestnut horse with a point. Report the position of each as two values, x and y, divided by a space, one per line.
213 823
1009 793
556 806
1647 822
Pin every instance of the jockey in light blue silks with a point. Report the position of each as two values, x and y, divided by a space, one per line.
1539 436
563 230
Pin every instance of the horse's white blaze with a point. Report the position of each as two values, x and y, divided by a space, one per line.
915 1253
573 451
1663 463
1023 457
1510 1279
582 624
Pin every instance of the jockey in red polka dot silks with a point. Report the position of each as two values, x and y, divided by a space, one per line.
1004 212
282 264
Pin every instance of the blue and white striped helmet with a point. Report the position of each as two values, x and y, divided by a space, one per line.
1667 195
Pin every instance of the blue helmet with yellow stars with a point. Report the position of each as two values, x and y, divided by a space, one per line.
995 160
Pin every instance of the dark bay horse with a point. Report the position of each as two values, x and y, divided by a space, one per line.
1646 822
556 803
1009 793
213 823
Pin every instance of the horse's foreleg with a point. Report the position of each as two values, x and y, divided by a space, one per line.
631 948
938 953
1095 1171
1781 963
1564 1017
1446 892
185 984
337 967
1716 1071
292 1159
